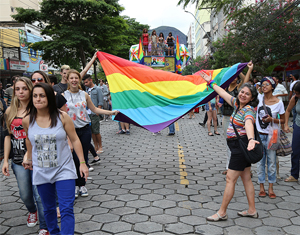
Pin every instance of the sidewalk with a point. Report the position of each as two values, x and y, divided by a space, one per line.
163 184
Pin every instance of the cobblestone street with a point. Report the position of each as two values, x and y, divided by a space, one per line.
161 184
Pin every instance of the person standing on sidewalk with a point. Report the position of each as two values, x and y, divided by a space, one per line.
97 98
105 93
15 142
295 156
243 118
268 109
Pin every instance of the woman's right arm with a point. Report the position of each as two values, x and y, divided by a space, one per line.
27 161
291 105
217 89
7 148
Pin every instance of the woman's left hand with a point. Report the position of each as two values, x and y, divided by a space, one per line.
115 112
84 171
251 144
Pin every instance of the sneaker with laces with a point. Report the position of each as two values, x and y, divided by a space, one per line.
43 232
32 219
76 191
83 191
95 161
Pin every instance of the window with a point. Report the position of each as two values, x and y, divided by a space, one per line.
12 9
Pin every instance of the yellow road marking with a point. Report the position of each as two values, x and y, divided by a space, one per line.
181 160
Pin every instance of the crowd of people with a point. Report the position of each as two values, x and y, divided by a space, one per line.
154 45
48 130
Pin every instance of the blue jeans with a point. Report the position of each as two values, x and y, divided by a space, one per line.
295 157
29 193
85 135
270 155
172 128
66 195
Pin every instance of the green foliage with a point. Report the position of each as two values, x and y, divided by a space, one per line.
78 27
267 33
204 62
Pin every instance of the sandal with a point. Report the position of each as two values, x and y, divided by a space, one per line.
246 214
219 218
262 194
272 195
210 134
217 133
291 179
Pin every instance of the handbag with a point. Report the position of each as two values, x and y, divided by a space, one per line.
254 155
285 146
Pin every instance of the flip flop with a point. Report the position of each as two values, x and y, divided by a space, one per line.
99 151
216 133
262 194
210 134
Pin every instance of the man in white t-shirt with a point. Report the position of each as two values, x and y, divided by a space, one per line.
279 90
294 79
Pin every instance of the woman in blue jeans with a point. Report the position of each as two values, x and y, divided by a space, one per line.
268 108
77 103
295 156
14 144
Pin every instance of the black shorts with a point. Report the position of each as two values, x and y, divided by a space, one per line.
237 160
170 44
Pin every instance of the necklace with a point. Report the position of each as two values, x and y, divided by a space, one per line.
77 94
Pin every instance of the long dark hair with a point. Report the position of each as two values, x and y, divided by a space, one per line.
52 108
252 88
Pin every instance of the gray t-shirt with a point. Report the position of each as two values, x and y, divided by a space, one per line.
8 94
60 87
51 155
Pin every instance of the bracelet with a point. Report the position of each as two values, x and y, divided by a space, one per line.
29 160
211 84
250 139
82 162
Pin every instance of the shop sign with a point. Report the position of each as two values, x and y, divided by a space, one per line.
43 67
17 65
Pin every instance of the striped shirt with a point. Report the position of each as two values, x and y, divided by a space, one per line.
240 118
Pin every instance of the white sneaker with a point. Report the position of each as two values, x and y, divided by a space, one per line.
83 191
76 191
91 169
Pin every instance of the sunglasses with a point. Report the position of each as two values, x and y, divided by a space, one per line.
37 80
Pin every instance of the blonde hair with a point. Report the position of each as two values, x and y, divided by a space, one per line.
15 103
78 74
66 67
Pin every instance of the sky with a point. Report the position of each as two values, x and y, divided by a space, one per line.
157 13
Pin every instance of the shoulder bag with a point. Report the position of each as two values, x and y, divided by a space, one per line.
254 155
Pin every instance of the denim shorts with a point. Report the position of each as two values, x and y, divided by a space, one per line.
213 107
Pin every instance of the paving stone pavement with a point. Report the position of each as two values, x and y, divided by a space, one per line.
162 185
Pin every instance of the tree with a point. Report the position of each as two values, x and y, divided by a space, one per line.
77 28
201 62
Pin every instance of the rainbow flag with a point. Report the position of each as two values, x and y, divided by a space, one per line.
154 99
141 53
177 58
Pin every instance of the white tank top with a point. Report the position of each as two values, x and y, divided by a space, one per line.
77 108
